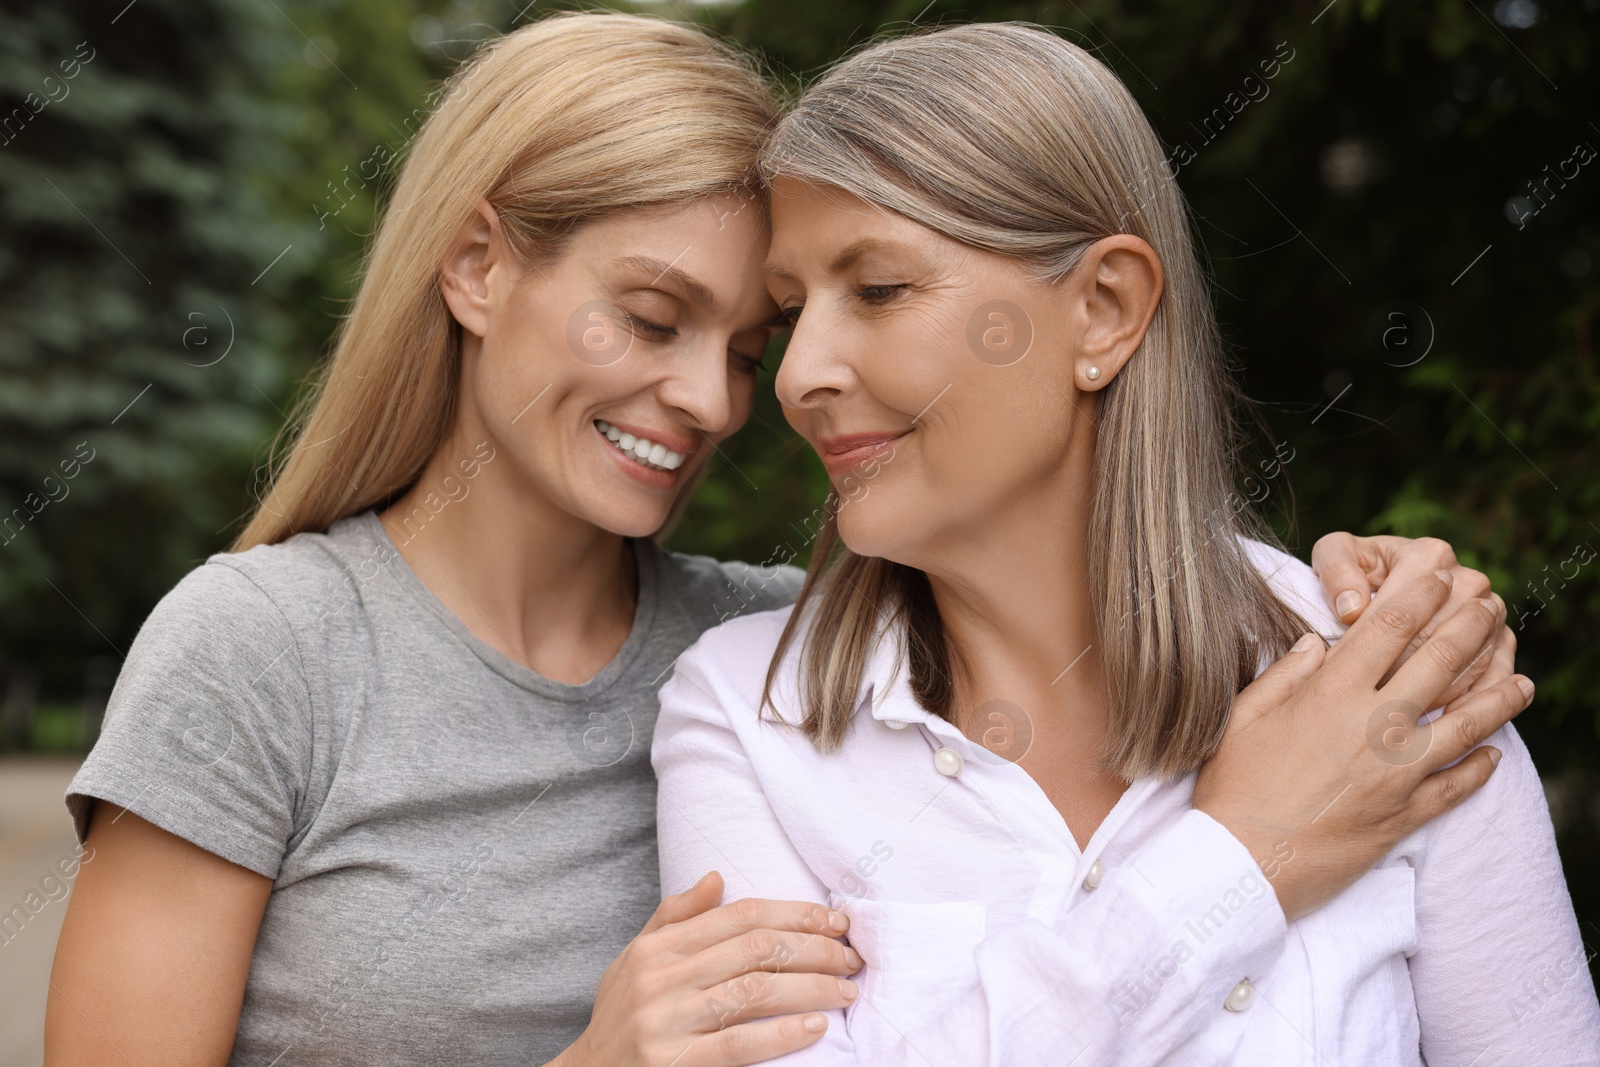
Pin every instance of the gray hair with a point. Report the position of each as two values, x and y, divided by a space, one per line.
1007 138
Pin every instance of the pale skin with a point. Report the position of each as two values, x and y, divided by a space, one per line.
985 490
156 945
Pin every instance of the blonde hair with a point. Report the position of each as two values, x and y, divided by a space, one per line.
1012 140
562 122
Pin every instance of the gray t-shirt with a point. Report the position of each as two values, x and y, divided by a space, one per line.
458 845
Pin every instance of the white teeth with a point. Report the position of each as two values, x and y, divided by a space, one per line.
642 449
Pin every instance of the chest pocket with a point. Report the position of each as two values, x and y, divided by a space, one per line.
919 958
1359 985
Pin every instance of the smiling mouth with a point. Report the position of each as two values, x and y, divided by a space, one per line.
845 453
648 452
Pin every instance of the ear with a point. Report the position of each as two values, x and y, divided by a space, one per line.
468 269
1119 281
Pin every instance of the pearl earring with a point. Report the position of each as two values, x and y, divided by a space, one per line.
1093 374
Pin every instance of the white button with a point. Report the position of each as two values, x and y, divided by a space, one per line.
947 761
1097 871
1242 995
895 724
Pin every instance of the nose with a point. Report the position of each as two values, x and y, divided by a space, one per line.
810 375
699 385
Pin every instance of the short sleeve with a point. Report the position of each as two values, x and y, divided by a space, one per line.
208 731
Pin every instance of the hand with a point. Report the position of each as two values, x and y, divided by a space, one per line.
1324 754
698 985
1360 572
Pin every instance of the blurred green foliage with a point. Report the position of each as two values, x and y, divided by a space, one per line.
1404 259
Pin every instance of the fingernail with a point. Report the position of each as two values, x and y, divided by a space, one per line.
847 989
837 920
815 1023
1494 757
1526 685
853 959
1348 601
1307 642
1445 576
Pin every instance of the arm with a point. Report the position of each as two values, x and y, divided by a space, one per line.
1045 994
1049 992
1501 973
185 805
154 951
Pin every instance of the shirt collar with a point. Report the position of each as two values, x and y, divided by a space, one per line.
885 689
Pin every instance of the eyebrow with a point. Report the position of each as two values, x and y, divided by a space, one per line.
841 262
660 269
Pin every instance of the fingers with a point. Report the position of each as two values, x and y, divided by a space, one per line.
759 995
1426 679
1274 686
1466 586
1446 789
774 951
753 1042
697 899
1455 733
753 913
1480 664
1359 571
1500 665
1367 652
1336 560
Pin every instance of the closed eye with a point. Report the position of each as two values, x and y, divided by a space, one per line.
753 364
877 294
653 331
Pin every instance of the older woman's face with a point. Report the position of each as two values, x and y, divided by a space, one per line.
936 381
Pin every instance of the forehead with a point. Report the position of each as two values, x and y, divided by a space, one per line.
792 200
823 227
709 250
808 218
720 221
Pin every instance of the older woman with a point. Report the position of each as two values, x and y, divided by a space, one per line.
981 726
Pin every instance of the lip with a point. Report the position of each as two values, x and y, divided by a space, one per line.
651 477
661 437
849 451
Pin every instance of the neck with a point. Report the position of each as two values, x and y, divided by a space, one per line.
1014 597
543 587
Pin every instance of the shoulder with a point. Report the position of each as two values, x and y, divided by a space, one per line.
213 608
209 730
312 575
1295 584
715 591
733 656
245 629
722 674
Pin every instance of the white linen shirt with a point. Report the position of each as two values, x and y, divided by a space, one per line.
990 938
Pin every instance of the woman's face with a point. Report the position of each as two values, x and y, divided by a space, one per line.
936 381
610 374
